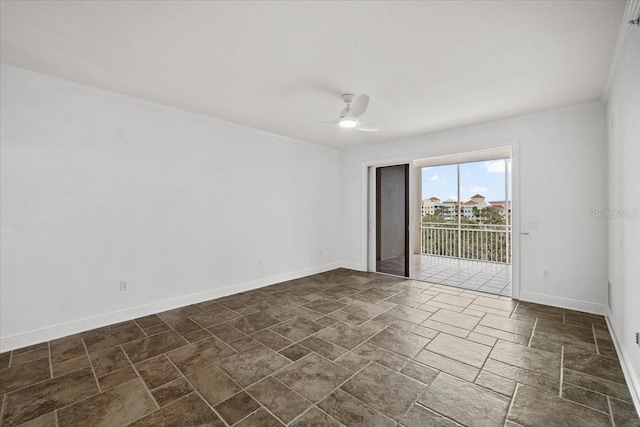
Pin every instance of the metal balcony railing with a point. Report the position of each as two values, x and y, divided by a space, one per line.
481 242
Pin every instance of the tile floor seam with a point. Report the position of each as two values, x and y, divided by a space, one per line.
336 388
355 397
414 402
387 310
561 370
372 319
276 379
320 338
613 421
300 415
50 362
486 358
446 324
595 338
261 406
55 418
284 348
84 399
140 378
196 391
412 359
583 405
2 402
246 390
533 331
165 353
93 370
517 367
152 335
201 339
177 400
378 347
26 386
272 373
513 398
225 323
141 328
422 405
198 324
329 314
514 308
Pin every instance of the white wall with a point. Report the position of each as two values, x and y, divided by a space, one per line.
624 194
182 209
562 172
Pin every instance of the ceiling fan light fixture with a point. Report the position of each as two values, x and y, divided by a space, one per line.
347 123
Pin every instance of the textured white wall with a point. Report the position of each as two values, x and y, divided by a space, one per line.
624 197
184 207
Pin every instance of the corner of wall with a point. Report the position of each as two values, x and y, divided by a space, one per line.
630 375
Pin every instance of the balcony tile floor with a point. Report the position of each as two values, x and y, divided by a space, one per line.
338 348
491 277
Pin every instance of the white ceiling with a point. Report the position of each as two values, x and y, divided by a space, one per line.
282 66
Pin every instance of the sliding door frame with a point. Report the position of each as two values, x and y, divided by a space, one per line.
371 224
368 242
408 249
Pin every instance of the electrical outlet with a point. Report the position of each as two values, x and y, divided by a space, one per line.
545 274
259 263
124 286
321 252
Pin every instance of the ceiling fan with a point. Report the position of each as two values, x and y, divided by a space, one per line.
348 117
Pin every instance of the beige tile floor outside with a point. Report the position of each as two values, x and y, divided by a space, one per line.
490 277
339 348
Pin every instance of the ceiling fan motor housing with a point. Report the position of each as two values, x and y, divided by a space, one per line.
347 97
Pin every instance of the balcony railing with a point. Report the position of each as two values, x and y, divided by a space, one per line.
481 242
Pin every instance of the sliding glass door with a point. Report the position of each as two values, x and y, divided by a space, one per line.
465 230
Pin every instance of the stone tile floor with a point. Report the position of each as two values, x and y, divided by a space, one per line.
338 348
491 277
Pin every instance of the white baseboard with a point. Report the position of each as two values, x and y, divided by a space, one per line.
352 266
630 375
572 304
24 339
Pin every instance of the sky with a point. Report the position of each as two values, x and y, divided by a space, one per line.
485 178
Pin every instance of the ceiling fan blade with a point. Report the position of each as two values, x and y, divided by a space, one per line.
333 122
367 128
360 106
